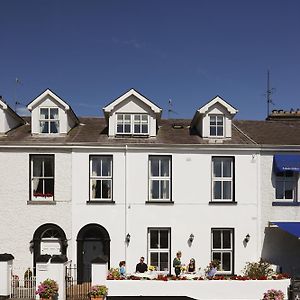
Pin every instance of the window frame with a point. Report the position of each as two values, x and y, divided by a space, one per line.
224 250
159 250
100 200
284 179
159 178
49 120
223 179
132 124
216 126
32 198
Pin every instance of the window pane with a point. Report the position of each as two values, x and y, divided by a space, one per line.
154 239
49 186
137 118
144 118
227 190
144 128
44 113
48 167
127 128
155 189
226 168
154 259
216 256
216 239
96 166
217 190
219 120
164 187
164 241
54 126
165 167
119 118
164 262
37 185
53 113
213 131
119 128
44 127
106 166
279 190
213 120
219 131
217 168
226 239
106 189
96 189
288 194
154 166
127 118
137 128
226 261
37 166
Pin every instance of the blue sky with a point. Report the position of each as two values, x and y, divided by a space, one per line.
90 52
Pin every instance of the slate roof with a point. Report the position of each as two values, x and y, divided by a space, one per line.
93 131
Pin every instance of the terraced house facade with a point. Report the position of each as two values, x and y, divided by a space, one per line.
132 184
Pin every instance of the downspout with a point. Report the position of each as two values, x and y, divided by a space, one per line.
125 205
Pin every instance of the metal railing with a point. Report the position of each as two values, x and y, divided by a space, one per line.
23 288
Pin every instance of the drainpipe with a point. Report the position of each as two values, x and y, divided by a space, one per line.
125 204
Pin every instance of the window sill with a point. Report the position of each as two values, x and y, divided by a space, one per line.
41 202
222 202
280 203
159 202
91 202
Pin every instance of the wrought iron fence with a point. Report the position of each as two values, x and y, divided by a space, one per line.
75 290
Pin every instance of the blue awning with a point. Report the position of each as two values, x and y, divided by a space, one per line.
286 162
290 227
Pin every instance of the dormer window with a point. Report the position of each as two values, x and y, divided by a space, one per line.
49 120
216 126
137 124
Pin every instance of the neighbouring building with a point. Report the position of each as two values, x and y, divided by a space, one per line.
132 184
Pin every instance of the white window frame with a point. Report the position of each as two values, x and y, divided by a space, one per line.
285 179
49 120
101 178
132 124
35 196
222 250
160 178
222 179
216 126
159 250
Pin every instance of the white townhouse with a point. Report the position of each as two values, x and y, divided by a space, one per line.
132 184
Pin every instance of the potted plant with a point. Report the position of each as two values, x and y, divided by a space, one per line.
98 292
273 295
47 289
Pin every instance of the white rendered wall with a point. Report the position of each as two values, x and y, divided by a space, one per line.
190 213
19 220
205 289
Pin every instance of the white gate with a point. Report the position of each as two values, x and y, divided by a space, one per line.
23 288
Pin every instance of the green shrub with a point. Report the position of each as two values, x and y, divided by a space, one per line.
257 270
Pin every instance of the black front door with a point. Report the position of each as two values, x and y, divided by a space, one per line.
93 241
91 250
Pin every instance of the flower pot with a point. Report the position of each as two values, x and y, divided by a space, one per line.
97 298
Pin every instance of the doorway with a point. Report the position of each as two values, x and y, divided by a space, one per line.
93 241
